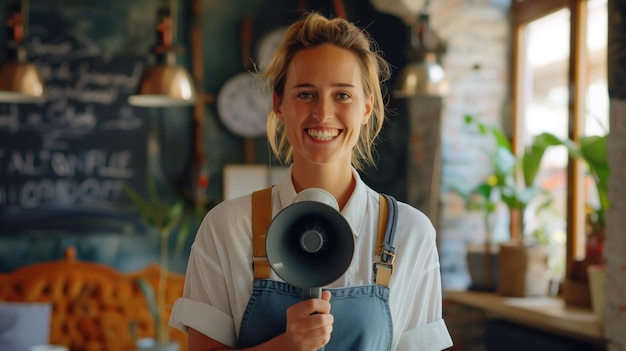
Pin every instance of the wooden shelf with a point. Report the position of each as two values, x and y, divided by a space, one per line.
548 314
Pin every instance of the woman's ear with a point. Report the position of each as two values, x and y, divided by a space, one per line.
276 107
369 106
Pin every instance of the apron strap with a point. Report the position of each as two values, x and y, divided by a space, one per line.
261 219
387 219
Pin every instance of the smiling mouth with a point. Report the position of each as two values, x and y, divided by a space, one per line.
322 135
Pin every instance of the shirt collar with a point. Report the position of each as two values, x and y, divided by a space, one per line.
353 212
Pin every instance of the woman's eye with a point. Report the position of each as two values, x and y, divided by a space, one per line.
305 95
343 96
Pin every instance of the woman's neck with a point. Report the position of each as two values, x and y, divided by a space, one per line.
338 181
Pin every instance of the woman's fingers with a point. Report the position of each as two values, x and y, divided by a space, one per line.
326 295
309 323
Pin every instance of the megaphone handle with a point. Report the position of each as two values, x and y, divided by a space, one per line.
311 293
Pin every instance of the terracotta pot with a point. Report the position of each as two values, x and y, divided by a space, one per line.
524 270
482 267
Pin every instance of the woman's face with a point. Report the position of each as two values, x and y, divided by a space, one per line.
323 105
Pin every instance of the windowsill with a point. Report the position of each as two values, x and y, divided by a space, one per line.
544 313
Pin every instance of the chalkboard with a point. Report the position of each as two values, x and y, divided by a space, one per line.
63 163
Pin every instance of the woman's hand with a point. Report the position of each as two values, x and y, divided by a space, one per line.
309 324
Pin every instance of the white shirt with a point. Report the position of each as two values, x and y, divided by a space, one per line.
218 282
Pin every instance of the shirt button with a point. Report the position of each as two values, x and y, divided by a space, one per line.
352 270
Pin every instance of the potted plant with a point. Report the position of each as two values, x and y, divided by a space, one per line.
593 151
523 261
168 217
482 259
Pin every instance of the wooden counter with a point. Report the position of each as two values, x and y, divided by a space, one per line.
544 313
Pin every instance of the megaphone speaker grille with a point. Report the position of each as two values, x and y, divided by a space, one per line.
309 244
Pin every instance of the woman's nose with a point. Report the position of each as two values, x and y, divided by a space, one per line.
323 109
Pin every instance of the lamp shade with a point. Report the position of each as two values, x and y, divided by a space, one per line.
425 78
165 85
20 82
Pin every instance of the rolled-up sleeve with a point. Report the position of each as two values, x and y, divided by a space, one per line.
415 291
217 281
433 336
203 318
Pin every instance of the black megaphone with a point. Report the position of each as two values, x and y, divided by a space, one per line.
309 244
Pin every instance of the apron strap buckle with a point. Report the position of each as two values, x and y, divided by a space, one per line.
261 267
382 273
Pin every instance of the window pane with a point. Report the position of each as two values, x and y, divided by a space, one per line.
597 106
546 110
597 119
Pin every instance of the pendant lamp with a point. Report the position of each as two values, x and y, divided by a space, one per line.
423 75
20 81
165 84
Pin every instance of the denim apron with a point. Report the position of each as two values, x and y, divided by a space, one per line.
362 318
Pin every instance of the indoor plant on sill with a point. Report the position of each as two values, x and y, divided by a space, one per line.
482 260
593 151
168 218
522 263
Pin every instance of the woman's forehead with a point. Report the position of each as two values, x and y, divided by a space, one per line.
328 64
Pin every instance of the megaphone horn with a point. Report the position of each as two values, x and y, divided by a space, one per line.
309 244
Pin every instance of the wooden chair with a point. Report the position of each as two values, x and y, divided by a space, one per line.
94 307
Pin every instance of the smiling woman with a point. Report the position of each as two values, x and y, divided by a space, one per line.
328 109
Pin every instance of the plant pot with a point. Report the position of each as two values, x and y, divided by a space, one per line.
523 271
576 293
482 267
575 288
597 281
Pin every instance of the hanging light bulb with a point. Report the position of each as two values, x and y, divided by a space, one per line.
20 81
165 84
423 75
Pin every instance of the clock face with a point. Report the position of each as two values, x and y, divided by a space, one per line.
243 104
268 44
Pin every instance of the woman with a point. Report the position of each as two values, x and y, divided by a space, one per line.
327 112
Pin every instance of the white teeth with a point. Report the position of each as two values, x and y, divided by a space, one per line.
322 134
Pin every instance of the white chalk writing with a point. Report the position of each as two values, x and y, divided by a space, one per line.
35 193
42 163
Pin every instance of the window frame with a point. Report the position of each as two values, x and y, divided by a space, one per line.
524 12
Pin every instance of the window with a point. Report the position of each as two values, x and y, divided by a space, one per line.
560 86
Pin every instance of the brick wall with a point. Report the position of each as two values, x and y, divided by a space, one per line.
477 37
476 62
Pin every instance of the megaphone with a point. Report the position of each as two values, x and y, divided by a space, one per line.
309 244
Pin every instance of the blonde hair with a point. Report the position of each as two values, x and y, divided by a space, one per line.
314 30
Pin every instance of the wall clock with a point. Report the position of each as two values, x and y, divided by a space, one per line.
267 46
243 105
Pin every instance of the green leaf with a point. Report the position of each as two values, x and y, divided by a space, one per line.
174 214
134 196
533 154
505 162
148 293
501 139
593 149
181 238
